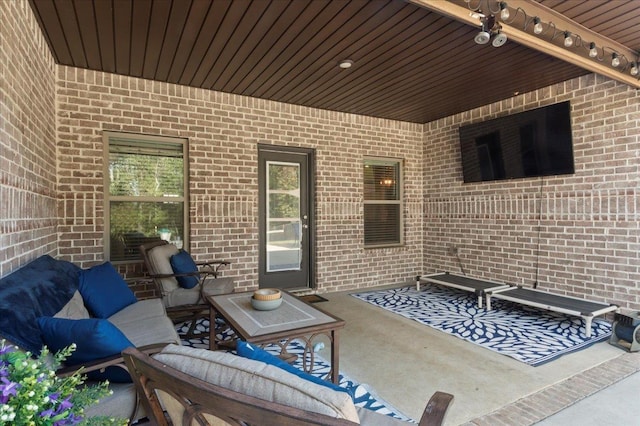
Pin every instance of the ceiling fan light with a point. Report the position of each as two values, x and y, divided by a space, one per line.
568 40
537 25
634 69
499 39
593 50
615 60
504 11
482 37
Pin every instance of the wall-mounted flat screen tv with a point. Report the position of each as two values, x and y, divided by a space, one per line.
532 143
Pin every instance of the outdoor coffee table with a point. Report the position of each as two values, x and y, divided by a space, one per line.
294 319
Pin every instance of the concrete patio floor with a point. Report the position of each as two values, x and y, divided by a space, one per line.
404 362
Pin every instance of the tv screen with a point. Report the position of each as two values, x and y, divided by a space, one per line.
532 143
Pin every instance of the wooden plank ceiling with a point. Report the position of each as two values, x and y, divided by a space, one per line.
410 64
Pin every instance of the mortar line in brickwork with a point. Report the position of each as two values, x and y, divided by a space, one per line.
606 204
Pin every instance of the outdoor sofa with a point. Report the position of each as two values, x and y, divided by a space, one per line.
55 303
193 386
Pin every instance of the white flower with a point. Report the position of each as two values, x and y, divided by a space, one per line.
7 413
40 381
7 417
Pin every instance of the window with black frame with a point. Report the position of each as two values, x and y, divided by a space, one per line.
146 198
382 202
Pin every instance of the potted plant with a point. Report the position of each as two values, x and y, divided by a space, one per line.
32 394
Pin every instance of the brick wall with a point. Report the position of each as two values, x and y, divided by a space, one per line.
573 234
224 132
28 215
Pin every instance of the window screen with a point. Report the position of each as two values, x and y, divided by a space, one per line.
146 197
382 202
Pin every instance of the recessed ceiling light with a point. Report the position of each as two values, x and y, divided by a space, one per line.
347 63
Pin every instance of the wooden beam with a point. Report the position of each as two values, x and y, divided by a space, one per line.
546 14
517 34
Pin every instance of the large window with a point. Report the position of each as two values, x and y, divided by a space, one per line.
382 202
146 198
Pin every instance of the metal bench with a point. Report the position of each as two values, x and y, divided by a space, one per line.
585 309
461 282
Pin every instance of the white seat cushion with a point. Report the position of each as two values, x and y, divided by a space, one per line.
120 404
145 322
145 308
183 296
159 259
257 379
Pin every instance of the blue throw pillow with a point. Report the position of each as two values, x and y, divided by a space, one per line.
250 351
182 263
104 291
94 338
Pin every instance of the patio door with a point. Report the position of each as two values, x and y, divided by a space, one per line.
285 217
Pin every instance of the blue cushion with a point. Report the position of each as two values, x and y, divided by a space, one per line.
94 338
182 263
104 291
247 350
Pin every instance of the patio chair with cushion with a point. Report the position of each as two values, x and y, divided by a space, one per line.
184 283
201 387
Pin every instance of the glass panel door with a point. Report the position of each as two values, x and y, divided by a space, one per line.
284 222
285 217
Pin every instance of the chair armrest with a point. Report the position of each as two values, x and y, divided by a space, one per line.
205 269
214 262
112 361
139 280
436 409
209 269
212 267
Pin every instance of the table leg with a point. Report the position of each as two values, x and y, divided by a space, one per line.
213 345
335 356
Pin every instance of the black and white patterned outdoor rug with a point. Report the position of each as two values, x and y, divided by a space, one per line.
533 336
362 396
